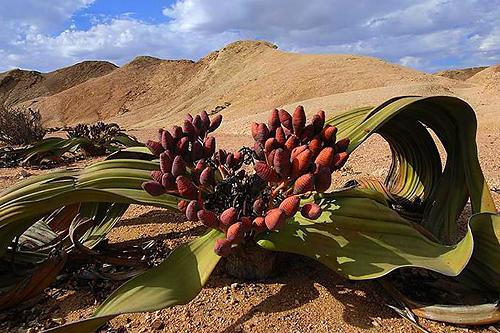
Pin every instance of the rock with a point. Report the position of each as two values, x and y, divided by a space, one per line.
157 324
59 321
24 174
234 286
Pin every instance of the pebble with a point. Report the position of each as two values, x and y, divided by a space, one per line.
157 324
24 174
234 286
59 321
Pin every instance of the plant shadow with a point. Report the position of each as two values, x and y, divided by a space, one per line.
305 281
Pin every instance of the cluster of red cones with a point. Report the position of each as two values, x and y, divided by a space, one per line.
290 158
296 159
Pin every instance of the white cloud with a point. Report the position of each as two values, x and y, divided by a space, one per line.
425 34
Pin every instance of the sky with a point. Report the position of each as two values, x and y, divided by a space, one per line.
428 35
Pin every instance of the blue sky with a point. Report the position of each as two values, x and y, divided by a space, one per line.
427 34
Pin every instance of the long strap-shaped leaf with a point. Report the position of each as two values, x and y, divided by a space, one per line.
360 237
117 181
415 171
177 280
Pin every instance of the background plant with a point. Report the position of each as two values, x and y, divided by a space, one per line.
21 126
89 140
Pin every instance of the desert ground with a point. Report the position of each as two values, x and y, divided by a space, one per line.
242 81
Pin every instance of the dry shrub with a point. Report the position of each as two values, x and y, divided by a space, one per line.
21 127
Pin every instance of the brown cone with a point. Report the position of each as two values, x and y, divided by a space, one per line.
292 142
303 184
259 150
296 151
156 175
281 162
274 219
192 210
270 144
259 224
285 119
235 232
302 163
215 123
165 162
339 160
189 130
153 188
247 223
209 146
222 247
315 145
228 217
182 146
280 136
178 166
322 179
264 171
262 133
328 135
186 187
258 206
206 177
176 132
311 211
155 147
208 218
318 121
182 205
290 205
168 181
274 120
307 134
325 157
205 119
167 141
342 145
298 120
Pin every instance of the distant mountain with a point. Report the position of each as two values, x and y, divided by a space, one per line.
461 74
239 80
17 86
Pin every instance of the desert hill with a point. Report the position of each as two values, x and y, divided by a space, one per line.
17 86
243 77
488 78
461 74
241 80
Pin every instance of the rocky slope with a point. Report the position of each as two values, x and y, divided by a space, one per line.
17 86
241 78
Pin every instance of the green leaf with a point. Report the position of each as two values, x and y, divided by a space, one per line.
360 237
415 177
177 280
483 270
115 181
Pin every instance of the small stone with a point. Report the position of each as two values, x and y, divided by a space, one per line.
59 321
234 286
157 324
